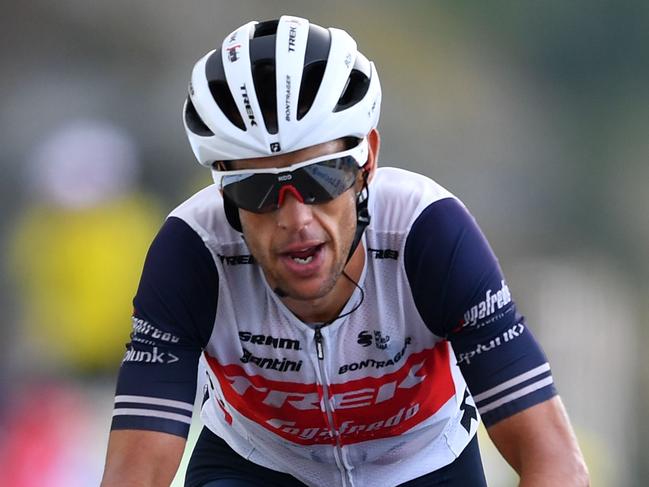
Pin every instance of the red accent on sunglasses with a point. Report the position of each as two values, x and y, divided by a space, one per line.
291 189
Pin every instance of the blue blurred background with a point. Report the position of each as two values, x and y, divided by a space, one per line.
536 114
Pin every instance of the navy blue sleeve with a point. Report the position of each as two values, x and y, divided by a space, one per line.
174 311
461 294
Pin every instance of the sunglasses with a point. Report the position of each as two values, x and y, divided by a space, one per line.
315 181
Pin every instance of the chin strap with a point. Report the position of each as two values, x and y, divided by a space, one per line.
362 215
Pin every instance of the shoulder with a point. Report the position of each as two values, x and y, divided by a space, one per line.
398 198
204 213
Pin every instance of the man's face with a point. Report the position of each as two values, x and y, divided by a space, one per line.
301 248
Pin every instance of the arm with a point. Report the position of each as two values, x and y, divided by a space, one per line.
541 447
175 308
503 364
142 458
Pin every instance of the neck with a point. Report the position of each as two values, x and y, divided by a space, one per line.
327 308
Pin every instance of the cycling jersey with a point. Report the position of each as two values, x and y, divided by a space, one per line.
379 396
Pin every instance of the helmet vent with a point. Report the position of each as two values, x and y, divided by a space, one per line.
262 61
194 121
220 91
311 80
266 28
315 62
263 74
357 84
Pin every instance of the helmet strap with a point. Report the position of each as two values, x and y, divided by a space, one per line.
362 215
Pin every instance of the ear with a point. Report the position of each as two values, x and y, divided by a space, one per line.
374 144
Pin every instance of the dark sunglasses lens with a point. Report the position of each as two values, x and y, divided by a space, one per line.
330 179
257 193
316 183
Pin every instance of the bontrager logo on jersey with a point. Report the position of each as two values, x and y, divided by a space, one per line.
488 306
375 364
271 341
364 409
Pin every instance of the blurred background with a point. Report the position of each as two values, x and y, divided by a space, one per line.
536 114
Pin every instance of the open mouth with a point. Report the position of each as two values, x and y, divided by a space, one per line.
304 256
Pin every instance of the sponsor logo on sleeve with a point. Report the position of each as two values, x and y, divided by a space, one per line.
479 314
507 336
154 356
144 328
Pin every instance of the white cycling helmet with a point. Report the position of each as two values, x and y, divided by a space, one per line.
278 86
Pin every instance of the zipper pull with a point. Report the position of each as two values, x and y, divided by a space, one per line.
318 344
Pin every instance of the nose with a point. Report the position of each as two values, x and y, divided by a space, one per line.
293 214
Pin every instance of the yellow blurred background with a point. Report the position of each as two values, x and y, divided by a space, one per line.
535 114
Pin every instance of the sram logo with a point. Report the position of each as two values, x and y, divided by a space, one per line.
363 409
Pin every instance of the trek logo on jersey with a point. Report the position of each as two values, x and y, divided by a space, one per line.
270 341
366 338
365 409
507 336
384 253
237 259
152 357
487 307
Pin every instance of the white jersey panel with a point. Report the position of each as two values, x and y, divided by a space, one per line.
386 390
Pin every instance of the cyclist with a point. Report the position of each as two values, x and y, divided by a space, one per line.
347 322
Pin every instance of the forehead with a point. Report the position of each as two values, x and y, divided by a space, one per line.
283 160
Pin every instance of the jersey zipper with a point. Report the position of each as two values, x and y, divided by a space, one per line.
338 452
